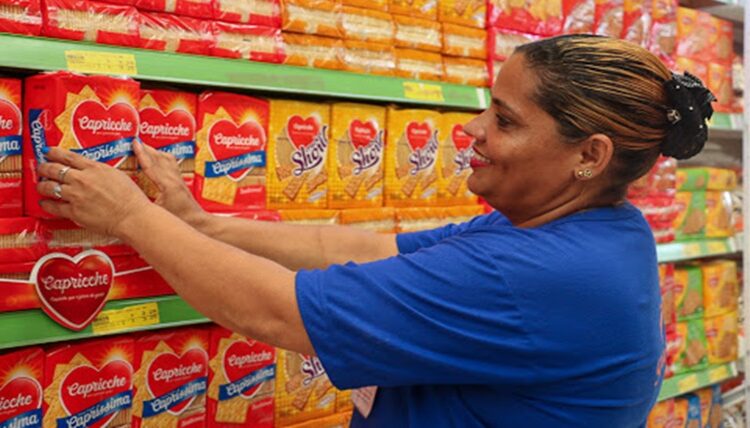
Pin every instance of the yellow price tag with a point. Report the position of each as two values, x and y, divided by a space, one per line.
692 250
687 384
423 92
718 374
717 247
128 318
101 62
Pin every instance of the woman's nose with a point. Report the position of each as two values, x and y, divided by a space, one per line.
475 127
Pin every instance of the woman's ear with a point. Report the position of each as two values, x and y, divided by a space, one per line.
596 153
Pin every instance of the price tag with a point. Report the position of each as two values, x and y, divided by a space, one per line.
718 374
687 384
717 247
128 318
101 62
423 92
692 250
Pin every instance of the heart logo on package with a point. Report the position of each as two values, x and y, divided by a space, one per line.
85 386
240 359
418 134
168 372
10 119
18 396
461 140
159 130
73 290
302 132
95 124
361 133
227 140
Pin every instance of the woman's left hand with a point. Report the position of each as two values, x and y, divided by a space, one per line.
92 194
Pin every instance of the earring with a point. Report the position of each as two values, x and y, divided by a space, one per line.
584 173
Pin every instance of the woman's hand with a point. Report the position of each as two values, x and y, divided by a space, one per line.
92 194
174 195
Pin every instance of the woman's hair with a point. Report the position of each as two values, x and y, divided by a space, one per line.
591 85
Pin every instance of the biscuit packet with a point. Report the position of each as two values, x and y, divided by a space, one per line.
465 71
355 157
722 335
720 287
319 17
662 37
578 16
705 396
416 33
381 5
502 43
687 411
690 222
706 178
464 41
470 13
91 21
380 220
692 351
304 391
420 65
720 84
201 9
455 160
636 21
525 16
366 25
667 287
11 148
461 213
173 33
608 18
718 214
310 217
297 153
21 17
339 420
254 12
661 414
688 292
417 219
344 401
21 240
553 19
253 42
313 51
715 414
423 9
723 50
369 58
412 157
167 123
22 378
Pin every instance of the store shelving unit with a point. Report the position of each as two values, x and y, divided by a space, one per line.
688 382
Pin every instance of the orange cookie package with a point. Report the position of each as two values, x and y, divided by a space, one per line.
320 17
464 41
471 13
525 16
313 51
424 9
365 25
416 33
414 64
370 58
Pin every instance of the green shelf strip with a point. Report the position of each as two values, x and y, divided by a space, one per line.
679 251
30 53
726 121
33 327
688 382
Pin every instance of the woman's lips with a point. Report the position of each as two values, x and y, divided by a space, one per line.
478 161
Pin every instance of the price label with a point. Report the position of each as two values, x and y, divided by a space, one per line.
423 92
116 320
692 249
718 374
101 62
687 384
717 247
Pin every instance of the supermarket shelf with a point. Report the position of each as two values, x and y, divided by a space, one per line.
43 54
33 327
679 251
682 384
726 122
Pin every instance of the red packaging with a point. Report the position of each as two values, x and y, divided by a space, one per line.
553 19
171 379
21 393
502 43
697 68
723 50
526 17
661 180
253 42
720 83
636 21
64 236
194 8
95 116
696 34
21 17
21 240
173 33
89 381
578 16
11 125
662 37
231 157
241 381
674 342
666 284
167 123
255 12
91 21
608 18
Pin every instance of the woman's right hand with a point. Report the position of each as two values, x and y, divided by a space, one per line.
173 195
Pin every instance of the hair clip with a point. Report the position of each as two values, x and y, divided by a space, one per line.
673 116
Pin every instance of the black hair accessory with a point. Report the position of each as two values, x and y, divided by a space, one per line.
690 103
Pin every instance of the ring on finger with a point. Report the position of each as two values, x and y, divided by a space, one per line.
57 191
61 174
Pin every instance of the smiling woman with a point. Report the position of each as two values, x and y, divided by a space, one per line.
543 313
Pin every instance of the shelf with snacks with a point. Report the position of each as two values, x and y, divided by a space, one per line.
33 327
688 382
52 54
680 251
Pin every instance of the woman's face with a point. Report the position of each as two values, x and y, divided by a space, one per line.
522 167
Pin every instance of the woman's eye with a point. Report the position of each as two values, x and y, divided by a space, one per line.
502 121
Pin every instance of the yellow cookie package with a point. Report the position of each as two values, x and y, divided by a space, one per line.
303 389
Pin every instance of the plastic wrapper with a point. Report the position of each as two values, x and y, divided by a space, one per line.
458 214
636 21
381 5
660 212
696 34
688 292
502 43
255 12
578 16
418 218
380 220
706 178
608 18
464 41
310 217
313 51
92 22
425 9
662 36
320 17
723 50
718 214
687 412
64 236
720 83
167 123
722 335
661 415
455 158
366 25
201 9
720 287
370 58
471 13
11 127
251 42
553 18
304 392
525 16
21 17
415 33
465 71
690 222
661 180
692 351
414 64
173 33
21 240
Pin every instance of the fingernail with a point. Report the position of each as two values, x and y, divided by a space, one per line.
45 150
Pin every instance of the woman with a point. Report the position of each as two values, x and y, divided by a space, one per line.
544 313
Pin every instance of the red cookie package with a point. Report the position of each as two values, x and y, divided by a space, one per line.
11 126
21 17
173 33
91 21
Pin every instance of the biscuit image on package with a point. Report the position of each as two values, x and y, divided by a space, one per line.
241 381
691 218
381 5
253 42
414 64
720 287
455 158
411 162
304 391
297 154
688 291
464 41
692 352
320 17
722 335
355 158
704 178
313 51
718 214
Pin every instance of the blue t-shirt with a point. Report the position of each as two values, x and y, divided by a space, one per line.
486 324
